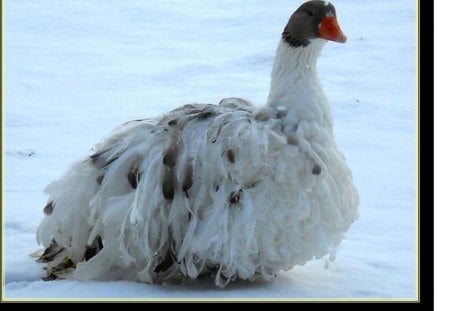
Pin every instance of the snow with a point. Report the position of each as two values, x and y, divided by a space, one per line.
77 69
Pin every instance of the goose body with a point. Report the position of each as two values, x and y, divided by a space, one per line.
231 191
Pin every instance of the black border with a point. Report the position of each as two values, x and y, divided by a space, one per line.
426 153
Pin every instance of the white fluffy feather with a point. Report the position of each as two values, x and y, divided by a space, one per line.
229 190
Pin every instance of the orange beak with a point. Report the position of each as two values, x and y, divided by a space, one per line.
330 30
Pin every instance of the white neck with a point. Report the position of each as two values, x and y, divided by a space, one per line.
295 85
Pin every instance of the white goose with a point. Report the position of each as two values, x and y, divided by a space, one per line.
228 191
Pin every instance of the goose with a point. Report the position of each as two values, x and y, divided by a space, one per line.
226 191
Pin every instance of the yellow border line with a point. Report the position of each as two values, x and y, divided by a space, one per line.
417 157
318 300
3 190
326 300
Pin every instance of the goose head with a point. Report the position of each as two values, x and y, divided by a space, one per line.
313 19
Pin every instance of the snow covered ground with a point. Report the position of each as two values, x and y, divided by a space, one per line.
77 69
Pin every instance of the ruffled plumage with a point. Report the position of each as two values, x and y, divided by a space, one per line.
228 190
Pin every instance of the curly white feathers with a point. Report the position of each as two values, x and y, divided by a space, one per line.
227 190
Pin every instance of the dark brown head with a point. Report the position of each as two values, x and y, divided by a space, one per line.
313 19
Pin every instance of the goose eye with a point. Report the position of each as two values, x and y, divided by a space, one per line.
310 13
